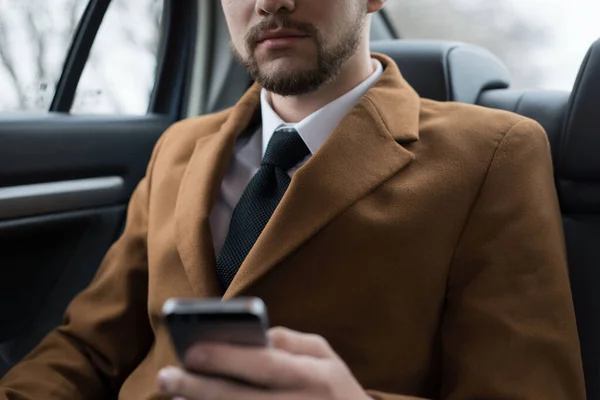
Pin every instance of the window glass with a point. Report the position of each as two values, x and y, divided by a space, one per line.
35 36
543 42
120 74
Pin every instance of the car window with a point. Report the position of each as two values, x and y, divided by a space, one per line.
541 41
34 38
120 73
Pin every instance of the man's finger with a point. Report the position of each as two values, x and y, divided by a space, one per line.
264 367
300 343
178 383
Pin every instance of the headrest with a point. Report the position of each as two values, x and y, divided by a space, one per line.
548 107
578 164
446 71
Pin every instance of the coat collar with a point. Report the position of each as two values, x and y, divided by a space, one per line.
364 151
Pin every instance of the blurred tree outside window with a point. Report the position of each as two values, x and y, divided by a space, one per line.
118 78
543 42
34 38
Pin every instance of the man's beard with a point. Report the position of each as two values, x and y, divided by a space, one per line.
299 82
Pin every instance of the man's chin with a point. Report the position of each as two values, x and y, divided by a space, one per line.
287 64
295 83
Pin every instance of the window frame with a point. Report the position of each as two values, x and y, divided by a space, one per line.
391 28
78 55
175 59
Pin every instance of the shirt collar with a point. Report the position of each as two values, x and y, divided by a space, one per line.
316 128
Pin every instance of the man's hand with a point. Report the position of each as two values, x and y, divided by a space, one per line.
296 366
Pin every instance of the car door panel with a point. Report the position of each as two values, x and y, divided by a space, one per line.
64 185
37 252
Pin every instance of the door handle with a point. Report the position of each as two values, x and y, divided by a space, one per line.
52 197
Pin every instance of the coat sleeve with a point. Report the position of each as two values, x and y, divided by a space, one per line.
106 330
509 330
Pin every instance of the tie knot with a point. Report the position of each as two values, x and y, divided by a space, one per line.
285 149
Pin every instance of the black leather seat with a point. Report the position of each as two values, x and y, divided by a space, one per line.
449 71
446 71
578 179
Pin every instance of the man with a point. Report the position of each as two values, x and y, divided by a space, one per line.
419 243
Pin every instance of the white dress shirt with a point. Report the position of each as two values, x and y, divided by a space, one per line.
249 151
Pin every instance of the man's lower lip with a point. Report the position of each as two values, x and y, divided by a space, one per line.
279 43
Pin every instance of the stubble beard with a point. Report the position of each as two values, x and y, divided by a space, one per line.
297 82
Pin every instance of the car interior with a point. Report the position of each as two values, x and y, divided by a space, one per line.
65 180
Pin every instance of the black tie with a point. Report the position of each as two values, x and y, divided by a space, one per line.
259 200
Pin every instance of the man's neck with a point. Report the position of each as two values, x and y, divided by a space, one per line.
295 108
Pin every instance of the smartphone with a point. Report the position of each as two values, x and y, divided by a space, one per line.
240 321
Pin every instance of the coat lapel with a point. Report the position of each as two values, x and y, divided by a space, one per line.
199 190
364 151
